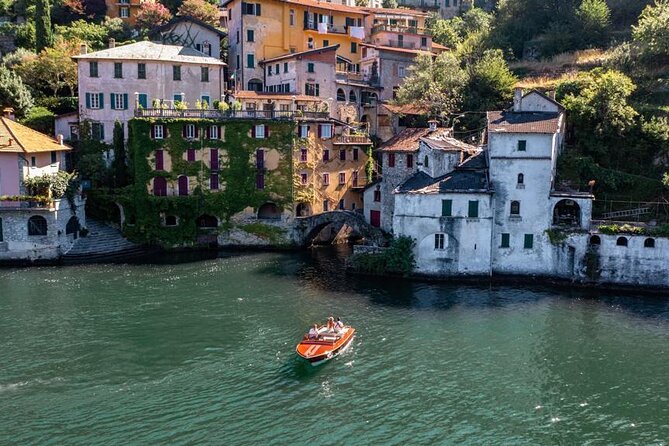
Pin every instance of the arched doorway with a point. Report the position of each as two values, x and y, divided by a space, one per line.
269 211
255 85
72 227
303 210
567 213
159 186
352 98
206 221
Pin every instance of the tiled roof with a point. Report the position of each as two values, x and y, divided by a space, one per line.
523 122
469 176
153 51
301 53
25 140
248 94
406 109
448 143
408 140
394 50
438 46
396 11
329 6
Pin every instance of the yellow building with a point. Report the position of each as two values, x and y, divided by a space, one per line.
125 9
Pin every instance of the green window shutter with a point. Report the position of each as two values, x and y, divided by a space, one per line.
102 100
125 101
446 208
88 100
206 99
143 100
473 209
112 98
102 132
505 240
522 145
529 241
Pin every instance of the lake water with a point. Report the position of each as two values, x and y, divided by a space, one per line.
203 353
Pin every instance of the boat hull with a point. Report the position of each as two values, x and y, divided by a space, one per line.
317 352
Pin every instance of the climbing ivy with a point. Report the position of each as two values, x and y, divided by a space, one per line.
237 175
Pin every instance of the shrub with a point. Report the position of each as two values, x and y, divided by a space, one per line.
397 258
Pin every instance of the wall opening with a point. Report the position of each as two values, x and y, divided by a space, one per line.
269 211
567 213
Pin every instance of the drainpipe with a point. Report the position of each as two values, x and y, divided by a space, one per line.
241 49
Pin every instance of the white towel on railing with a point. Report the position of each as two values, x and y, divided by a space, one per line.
322 28
357 32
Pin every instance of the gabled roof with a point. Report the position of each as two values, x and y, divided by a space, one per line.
152 51
408 140
471 176
301 54
396 11
17 138
523 122
448 144
546 97
328 6
185 18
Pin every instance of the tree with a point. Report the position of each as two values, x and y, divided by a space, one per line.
201 10
119 166
95 9
435 84
13 92
392 4
152 15
593 18
490 83
652 31
362 3
40 119
96 36
52 70
43 31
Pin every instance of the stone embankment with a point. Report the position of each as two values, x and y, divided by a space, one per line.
102 244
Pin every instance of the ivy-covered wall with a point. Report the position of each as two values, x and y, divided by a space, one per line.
237 174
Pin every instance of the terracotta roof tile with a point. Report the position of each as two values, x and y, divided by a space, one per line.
408 140
25 140
300 54
523 122
328 6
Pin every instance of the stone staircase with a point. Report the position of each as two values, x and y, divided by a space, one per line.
102 244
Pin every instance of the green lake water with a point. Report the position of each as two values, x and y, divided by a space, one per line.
203 353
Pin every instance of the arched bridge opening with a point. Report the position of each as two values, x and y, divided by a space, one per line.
307 229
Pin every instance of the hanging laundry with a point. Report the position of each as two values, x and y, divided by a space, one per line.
357 32
322 28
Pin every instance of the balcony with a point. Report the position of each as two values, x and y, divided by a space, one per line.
229 114
332 29
384 27
352 140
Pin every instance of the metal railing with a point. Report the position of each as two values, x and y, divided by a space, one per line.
229 114
384 27
352 139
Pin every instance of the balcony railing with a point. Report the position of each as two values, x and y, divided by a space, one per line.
229 114
352 139
332 29
384 27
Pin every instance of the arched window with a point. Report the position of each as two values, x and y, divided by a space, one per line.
426 161
521 178
206 221
595 240
515 208
37 225
269 211
159 186
170 220
649 243
72 226
341 96
622 241
183 185
352 97
255 85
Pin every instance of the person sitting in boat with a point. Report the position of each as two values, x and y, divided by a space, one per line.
339 325
331 324
313 332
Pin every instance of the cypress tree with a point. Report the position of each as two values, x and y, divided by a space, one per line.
119 164
43 31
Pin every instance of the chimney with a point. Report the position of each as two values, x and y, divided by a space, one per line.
112 43
551 94
83 49
517 99
433 124
60 139
8 112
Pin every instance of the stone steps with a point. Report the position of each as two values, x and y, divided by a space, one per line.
102 244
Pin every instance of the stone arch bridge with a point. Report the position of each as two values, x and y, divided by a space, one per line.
305 229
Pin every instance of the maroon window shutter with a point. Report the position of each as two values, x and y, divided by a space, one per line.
260 180
214 159
183 131
220 132
197 132
207 132
266 131
164 126
320 130
260 159
159 160
213 181
191 155
153 131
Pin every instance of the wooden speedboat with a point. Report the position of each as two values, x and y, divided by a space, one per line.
328 345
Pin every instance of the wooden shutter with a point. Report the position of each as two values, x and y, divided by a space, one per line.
197 131
102 100
183 131
266 131
153 131
112 98
320 130
88 100
159 160
125 101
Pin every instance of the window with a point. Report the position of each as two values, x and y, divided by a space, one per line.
649 243
352 98
213 132
326 205
426 161
97 131
439 241
33 161
260 180
213 159
521 178
326 43
205 101
473 209
182 183
528 243
326 179
251 9
1 238
291 17
342 155
94 100
304 131
250 35
250 61
622 241
304 178
160 159
160 187
93 69
125 12
341 96
325 131
143 100
37 225
312 89
303 155
391 160
326 155
54 157
446 208
118 70
176 72
259 131
119 101
515 208
310 67
356 154
178 98
213 181
170 220
355 178
269 70
189 131
342 178
141 71
522 145
401 71
595 240
377 196
506 238
354 47
285 67
190 155
204 74
423 42
158 131
409 161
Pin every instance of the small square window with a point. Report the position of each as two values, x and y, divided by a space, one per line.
342 178
439 241
310 68
529 241
505 240
522 145
176 72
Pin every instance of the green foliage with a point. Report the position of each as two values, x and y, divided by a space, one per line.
200 10
593 19
389 4
119 166
40 119
14 93
58 185
362 3
398 258
95 35
622 229
43 31
53 70
88 157
10 60
272 234
556 236
652 31
152 15
490 83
